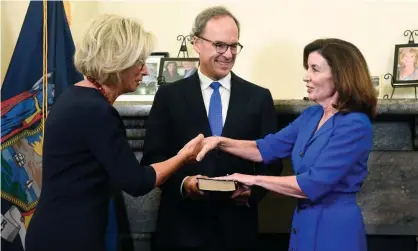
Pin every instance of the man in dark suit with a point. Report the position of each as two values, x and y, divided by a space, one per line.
213 101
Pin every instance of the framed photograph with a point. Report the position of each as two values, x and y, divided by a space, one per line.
376 84
149 84
173 69
161 54
405 69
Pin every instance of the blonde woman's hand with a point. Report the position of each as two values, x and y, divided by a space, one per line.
209 144
192 148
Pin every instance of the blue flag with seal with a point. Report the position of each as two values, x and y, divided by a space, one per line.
40 69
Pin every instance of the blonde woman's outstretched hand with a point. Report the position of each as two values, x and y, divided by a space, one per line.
193 148
209 144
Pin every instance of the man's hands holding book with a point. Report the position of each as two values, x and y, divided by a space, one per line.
237 183
191 188
244 182
196 186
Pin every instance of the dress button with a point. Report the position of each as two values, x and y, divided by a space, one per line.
294 230
301 154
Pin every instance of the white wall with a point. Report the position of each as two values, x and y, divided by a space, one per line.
274 32
11 19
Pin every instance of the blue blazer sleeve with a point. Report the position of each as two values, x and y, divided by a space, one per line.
350 142
280 144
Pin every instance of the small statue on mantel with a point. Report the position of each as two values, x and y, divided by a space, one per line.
183 47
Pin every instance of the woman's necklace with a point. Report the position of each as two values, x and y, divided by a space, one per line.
99 87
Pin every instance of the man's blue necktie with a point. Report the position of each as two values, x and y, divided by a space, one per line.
215 110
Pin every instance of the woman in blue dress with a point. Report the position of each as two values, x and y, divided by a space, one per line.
329 144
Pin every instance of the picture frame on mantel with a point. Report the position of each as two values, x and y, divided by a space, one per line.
377 86
173 69
405 67
149 84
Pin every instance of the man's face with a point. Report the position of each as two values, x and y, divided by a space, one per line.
213 64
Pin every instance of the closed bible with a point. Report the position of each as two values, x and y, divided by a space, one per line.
217 189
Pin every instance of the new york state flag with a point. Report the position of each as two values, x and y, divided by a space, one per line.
40 69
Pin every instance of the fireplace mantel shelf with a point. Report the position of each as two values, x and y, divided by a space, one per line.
385 106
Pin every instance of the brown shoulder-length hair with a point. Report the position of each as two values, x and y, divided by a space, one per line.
350 74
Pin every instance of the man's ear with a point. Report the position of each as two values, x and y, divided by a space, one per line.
196 45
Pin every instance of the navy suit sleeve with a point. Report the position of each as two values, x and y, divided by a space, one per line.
350 142
106 138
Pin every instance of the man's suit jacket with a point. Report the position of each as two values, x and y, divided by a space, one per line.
178 114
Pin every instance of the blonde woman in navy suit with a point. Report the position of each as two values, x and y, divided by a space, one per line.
329 144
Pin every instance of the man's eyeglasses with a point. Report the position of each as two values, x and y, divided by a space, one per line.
222 47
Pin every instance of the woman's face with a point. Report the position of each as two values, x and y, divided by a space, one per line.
132 77
319 79
409 59
171 67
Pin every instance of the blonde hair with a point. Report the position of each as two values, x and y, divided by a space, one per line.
110 45
402 54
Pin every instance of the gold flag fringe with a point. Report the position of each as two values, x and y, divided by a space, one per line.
67 9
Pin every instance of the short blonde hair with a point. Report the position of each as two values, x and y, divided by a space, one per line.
110 45
402 54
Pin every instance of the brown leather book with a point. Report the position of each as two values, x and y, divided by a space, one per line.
212 185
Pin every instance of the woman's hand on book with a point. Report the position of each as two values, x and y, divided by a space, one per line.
244 179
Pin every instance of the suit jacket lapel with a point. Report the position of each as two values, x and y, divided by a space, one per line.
237 102
196 106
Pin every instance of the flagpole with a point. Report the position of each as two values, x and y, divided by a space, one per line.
67 9
45 67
